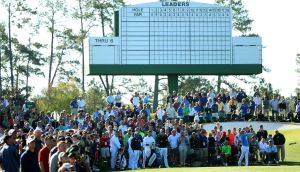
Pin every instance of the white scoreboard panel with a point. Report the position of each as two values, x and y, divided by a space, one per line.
175 33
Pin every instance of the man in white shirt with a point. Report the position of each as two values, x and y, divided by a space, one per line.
160 112
130 153
136 99
110 100
25 108
271 152
148 143
257 101
81 103
233 94
171 112
211 94
173 142
115 145
122 127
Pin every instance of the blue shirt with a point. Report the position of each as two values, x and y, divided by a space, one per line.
240 96
10 158
244 109
203 100
74 104
146 99
252 105
244 139
62 128
274 104
214 108
186 102
96 115
180 111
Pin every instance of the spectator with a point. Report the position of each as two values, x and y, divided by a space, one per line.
203 147
136 145
183 143
211 94
171 112
240 96
262 150
146 98
271 152
282 108
43 156
266 106
261 133
173 142
226 152
279 141
258 103
74 106
118 99
29 159
9 154
81 103
61 147
274 106
162 144
115 145
136 99
148 144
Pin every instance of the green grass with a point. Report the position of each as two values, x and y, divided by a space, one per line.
291 164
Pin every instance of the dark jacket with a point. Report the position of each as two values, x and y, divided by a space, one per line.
279 139
162 141
262 134
29 162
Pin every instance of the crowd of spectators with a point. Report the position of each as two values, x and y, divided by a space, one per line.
136 136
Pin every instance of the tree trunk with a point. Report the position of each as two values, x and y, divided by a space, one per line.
10 52
57 66
51 51
155 101
82 44
0 71
27 71
219 83
102 22
17 83
108 87
111 84
104 85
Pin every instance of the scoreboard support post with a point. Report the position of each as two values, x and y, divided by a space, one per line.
173 82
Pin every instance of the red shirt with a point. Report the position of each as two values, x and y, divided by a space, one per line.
104 142
44 157
231 139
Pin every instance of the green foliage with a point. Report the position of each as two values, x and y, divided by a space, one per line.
241 20
95 96
57 98
193 83
140 86
105 10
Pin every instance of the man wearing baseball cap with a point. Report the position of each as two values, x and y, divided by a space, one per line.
29 159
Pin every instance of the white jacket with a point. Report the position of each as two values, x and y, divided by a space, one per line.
115 144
